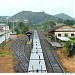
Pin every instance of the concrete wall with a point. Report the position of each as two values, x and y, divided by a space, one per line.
13 36
63 33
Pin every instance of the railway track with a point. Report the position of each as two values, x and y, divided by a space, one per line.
19 47
52 63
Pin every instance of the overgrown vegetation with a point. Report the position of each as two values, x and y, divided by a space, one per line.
69 45
2 45
5 53
69 22
21 28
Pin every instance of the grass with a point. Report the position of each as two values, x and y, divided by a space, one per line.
6 53
1 46
4 49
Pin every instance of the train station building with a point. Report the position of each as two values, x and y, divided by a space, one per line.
62 31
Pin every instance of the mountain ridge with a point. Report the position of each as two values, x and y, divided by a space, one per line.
33 17
63 16
36 17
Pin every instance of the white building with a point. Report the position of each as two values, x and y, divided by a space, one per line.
4 27
63 32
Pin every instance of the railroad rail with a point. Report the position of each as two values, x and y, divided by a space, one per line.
54 64
19 50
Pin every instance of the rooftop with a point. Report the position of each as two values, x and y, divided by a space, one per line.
57 27
2 24
55 44
63 38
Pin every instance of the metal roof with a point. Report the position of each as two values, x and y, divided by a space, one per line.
37 63
63 38
36 50
56 44
37 56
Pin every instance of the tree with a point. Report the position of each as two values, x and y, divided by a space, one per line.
21 28
48 24
25 29
68 46
69 22
21 25
17 30
52 24
60 20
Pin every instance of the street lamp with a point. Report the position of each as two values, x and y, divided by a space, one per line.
13 26
14 21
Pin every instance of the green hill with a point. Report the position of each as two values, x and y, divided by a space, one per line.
63 16
33 17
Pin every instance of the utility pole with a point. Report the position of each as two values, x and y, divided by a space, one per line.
5 34
5 29
7 25
13 26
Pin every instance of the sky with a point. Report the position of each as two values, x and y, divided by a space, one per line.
52 7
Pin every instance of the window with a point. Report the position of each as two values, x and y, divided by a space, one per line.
59 34
72 34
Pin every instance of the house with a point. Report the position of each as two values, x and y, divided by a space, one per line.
1 26
4 27
62 31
